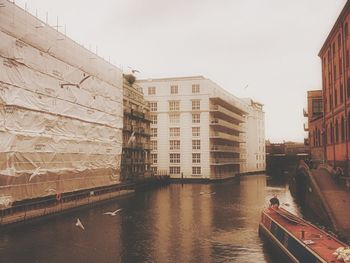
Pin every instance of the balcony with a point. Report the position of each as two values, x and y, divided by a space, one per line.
223 111
224 148
224 136
226 161
226 124
305 113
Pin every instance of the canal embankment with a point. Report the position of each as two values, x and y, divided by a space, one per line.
329 201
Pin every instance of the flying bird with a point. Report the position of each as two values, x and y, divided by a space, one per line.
36 172
132 138
85 78
79 224
113 213
133 71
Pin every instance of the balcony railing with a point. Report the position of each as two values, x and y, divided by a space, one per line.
224 148
225 136
220 122
305 113
231 114
225 161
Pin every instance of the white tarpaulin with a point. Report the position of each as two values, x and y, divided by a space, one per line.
61 111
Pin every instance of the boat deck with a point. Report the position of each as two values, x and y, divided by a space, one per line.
318 241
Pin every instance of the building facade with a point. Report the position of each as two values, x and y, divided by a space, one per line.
314 127
254 137
135 163
335 59
61 112
196 129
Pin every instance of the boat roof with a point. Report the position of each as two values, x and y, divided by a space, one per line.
317 241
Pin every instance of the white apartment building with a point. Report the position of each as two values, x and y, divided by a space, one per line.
196 129
254 137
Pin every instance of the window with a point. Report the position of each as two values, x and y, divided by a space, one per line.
154 158
347 57
336 131
196 104
174 105
195 88
335 98
174 145
196 158
196 170
174 158
154 119
339 41
335 72
341 93
342 129
349 125
174 89
154 132
153 106
174 170
174 132
154 170
346 29
348 88
196 131
151 90
196 144
340 66
196 118
154 145
174 118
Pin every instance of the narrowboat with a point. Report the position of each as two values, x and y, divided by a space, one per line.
299 240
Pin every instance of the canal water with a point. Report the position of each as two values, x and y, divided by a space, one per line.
177 223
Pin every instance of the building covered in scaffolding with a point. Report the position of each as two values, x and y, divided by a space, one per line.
61 112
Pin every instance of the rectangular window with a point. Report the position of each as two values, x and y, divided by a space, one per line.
174 89
196 144
196 158
174 132
154 132
174 118
154 158
154 145
174 145
196 104
154 119
196 131
174 170
154 170
174 158
196 170
195 88
196 118
151 90
153 106
174 105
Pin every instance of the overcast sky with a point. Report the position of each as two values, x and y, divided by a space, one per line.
270 45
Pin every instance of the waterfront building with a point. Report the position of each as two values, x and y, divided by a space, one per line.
254 137
61 112
335 59
196 129
314 126
135 163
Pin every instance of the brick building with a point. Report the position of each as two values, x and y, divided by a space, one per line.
336 91
314 127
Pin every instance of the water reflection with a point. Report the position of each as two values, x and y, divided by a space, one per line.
190 223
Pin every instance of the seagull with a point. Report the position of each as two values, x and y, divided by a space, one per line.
132 138
85 78
246 86
36 172
113 213
134 71
79 224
